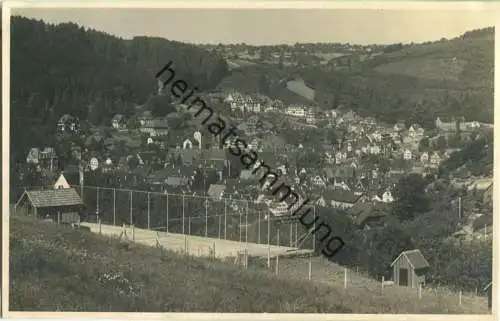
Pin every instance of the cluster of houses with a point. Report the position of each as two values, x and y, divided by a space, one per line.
183 164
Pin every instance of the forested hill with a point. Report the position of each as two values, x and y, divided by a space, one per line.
59 69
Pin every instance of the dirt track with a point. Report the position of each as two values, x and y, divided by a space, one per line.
195 245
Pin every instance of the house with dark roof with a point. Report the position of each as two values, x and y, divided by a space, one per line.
119 122
160 176
67 123
369 215
155 127
339 198
409 268
61 205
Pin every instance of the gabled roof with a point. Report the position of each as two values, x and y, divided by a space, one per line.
176 181
216 190
61 181
415 258
54 197
163 173
374 211
340 195
214 154
64 118
247 174
344 172
118 117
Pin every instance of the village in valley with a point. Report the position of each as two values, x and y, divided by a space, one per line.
395 163
356 172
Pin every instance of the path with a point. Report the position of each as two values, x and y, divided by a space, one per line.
196 245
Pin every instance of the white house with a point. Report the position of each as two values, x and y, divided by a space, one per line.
254 144
424 158
377 136
331 114
329 158
318 181
374 149
311 117
340 157
279 209
61 183
415 131
296 110
407 155
118 122
387 197
435 159
187 144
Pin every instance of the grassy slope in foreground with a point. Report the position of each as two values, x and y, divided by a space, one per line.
57 269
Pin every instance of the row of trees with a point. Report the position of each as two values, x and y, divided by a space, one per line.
65 69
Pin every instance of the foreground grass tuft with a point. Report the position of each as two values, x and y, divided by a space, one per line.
59 269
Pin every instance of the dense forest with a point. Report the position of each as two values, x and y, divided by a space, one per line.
67 69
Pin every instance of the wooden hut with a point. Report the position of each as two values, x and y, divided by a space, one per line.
489 288
61 205
409 268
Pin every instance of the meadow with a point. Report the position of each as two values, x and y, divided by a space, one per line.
56 268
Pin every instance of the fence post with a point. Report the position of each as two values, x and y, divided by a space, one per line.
183 216
100 226
225 218
149 212
219 218
239 227
246 258
206 216
131 218
133 232
420 290
214 250
382 286
114 206
97 206
269 257
258 229
277 264
460 297
310 266
345 278
167 212
189 225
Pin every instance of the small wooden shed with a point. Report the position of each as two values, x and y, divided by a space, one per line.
409 268
61 205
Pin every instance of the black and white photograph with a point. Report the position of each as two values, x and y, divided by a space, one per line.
249 160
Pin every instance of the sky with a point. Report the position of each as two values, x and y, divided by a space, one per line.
273 26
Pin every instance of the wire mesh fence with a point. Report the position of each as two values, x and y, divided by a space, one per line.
225 218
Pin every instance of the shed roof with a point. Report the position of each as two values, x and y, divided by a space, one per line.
52 198
415 257
487 286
